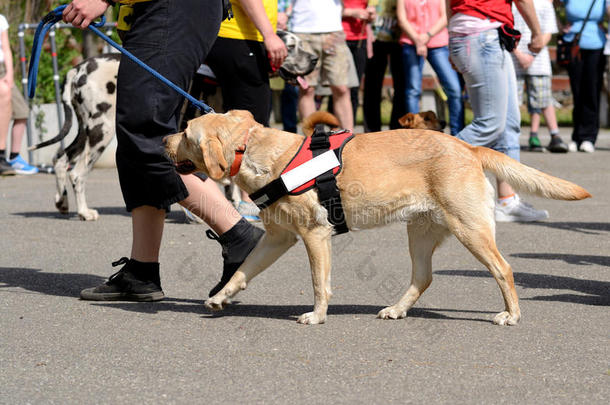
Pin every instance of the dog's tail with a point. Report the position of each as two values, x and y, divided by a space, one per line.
66 101
526 179
319 117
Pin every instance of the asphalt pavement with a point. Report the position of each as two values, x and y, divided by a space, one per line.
55 348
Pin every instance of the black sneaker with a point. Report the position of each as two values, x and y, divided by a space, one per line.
535 145
136 281
6 169
557 145
237 243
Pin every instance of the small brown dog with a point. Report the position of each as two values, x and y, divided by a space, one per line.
431 181
422 120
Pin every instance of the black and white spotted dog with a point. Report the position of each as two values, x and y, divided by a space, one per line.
89 93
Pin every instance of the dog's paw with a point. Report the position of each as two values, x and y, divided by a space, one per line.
506 319
88 215
311 318
392 313
61 203
216 304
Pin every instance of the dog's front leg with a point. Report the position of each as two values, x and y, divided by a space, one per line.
318 246
272 245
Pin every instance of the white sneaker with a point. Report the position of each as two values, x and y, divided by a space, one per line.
519 211
587 147
572 147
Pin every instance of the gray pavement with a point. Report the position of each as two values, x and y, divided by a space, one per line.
55 348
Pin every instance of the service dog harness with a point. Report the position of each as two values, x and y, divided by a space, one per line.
316 164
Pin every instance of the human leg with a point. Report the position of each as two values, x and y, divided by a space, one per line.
373 81
358 50
439 60
589 76
5 117
413 65
289 99
343 106
399 107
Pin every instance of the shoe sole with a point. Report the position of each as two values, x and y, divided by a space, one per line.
510 218
558 150
148 297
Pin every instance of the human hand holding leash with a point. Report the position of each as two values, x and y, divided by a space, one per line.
80 13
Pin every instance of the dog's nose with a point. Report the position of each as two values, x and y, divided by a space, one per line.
443 124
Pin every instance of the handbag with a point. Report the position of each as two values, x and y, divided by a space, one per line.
569 51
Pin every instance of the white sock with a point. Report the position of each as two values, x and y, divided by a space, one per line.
504 201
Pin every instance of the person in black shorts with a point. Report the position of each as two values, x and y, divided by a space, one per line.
173 37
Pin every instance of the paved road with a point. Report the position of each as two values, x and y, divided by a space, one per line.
55 348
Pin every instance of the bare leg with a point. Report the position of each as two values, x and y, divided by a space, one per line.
307 105
5 113
17 135
550 118
504 189
535 126
147 225
209 203
343 106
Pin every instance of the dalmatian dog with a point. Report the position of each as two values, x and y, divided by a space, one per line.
89 93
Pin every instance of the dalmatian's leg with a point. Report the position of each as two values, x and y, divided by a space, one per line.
61 166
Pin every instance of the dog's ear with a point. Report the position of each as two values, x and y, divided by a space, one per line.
407 120
213 157
430 115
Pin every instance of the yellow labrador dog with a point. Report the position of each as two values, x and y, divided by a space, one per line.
432 181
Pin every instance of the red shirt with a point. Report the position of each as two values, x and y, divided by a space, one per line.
495 10
354 28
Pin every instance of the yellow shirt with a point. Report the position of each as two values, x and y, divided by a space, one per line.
241 27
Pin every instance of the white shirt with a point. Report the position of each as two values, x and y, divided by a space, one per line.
316 16
541 66
3 27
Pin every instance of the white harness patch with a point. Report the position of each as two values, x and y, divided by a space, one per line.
310 170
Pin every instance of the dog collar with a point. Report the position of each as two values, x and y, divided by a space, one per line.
239 154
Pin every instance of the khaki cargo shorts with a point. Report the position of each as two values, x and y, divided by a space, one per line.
333 58
20 106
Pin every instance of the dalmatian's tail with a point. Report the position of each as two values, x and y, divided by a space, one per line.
66 101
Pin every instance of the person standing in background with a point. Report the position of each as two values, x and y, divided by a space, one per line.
385 46
12 106
318 24
534 71
356 16
587 70
425 36
489 74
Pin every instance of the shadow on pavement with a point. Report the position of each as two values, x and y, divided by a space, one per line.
592 292
61 284
174 216
581 260
591 228
284 312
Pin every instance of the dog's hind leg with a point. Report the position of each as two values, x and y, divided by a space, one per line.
477 234
78 177
423 240
61 166
274 243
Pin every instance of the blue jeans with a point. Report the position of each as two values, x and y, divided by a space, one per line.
439 60
491 83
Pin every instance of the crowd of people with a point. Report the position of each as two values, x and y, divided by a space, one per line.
468 43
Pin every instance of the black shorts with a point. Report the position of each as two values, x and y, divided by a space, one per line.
242 70
173 37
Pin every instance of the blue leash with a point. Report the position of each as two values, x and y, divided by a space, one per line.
56 15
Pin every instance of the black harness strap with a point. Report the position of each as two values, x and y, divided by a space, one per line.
326 183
